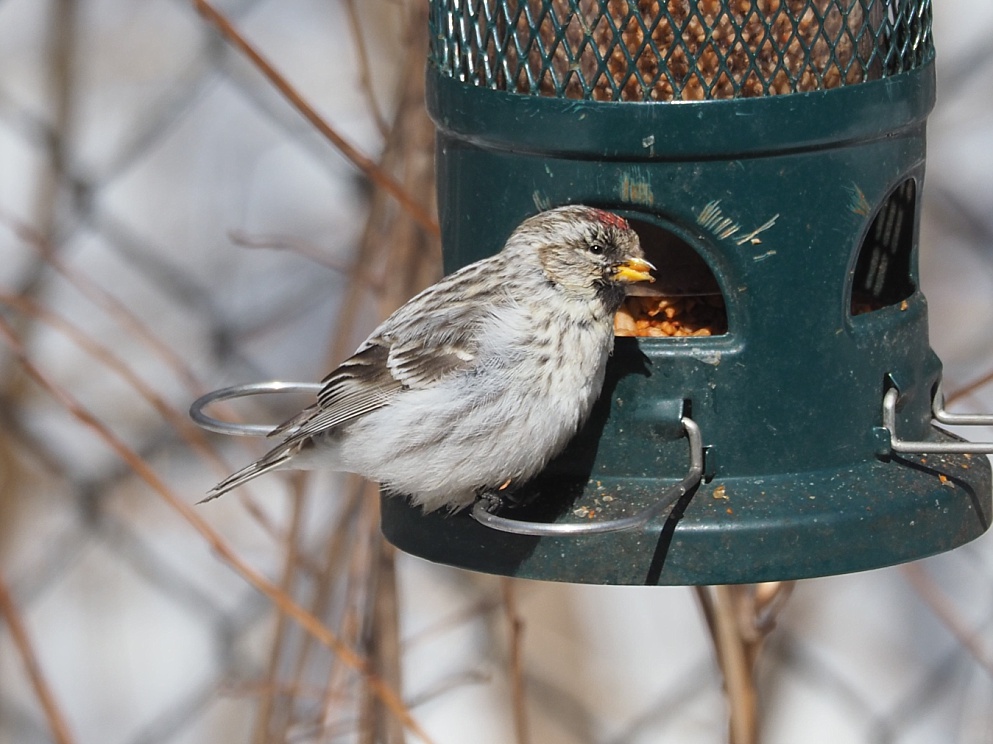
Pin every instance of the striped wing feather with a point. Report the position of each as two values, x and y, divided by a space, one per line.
401 355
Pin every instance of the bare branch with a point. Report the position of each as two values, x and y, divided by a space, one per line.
42 690
364 163
277 596
515 643
929 591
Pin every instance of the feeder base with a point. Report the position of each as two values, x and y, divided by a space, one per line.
733 530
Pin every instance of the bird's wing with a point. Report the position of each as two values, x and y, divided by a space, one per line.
422 361
362 383
413 351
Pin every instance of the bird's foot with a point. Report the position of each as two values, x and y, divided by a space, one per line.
495 499
492 501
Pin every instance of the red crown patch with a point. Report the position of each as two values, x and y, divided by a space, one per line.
609 218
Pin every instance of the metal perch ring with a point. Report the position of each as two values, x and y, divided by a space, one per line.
482 510
243 391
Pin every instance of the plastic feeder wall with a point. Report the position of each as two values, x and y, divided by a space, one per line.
771 155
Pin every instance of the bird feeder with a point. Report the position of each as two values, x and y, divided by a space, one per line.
772 414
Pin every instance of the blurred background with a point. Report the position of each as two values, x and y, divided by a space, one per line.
170 223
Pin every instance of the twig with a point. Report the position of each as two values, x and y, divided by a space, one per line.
483 607
928 590
100 297
392 239
706 602
515 643
282 243
969 388
339 547
178 420
22 642
265 713
356 573
453 681
384 642
739 618
414 259
741 692
388 237
143 470
346 580
365 76
123 315
63 28
361 161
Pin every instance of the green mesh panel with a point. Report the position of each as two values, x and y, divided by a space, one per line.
641 50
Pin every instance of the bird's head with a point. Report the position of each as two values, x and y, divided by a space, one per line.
586 251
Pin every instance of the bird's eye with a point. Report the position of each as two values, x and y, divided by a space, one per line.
596 249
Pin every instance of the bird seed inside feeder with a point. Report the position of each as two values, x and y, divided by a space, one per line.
695 315
683 49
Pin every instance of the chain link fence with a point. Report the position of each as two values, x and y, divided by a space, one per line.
170 223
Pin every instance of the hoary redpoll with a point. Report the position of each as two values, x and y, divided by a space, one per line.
480 379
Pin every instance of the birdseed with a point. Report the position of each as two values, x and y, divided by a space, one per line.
669 317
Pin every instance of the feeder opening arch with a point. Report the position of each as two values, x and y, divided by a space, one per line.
686 302
883 272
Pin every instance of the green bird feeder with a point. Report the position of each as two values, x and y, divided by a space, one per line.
772 415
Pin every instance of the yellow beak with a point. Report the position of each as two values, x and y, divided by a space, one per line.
634 270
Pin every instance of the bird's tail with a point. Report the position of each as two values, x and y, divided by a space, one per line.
272 460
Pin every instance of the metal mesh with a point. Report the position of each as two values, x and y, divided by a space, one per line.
646 50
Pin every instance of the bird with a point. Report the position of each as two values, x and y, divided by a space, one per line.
480 379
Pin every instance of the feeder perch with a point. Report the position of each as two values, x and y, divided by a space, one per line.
770 153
